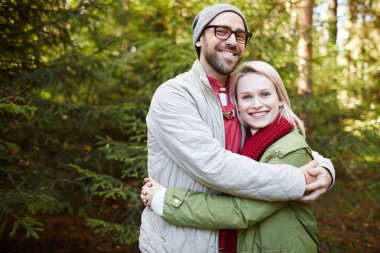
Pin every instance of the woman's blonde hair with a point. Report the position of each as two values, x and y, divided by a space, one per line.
263 68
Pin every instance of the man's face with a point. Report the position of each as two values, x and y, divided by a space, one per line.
218 55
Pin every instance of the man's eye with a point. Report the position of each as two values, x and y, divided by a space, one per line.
222 31
240 36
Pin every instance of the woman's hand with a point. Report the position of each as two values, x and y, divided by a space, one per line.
148 191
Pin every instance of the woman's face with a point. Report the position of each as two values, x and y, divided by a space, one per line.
257 99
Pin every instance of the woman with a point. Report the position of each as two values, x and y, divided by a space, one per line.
274 135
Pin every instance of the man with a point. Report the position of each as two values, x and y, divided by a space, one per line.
194 135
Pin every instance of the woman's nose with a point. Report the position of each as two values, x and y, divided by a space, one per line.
256 103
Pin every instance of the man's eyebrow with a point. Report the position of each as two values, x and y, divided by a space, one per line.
240 30
237 30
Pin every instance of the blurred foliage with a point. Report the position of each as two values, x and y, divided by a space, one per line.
76 79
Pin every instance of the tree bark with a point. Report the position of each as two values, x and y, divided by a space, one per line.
352 19
332 20
305 21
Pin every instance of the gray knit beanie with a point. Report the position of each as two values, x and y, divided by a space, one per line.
207 15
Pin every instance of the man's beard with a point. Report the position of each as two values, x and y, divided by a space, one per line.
218 65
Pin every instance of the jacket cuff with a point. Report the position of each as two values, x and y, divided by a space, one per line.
158 202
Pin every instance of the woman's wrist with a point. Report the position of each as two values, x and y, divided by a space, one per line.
158 202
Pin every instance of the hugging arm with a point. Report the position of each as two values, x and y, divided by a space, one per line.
183 207
194 149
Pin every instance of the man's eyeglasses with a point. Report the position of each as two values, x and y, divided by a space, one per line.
224 32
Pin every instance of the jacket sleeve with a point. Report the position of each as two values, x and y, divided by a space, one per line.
187 208
205 210
175 122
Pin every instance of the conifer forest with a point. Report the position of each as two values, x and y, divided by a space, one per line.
76 80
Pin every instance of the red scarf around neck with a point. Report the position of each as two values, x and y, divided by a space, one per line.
256 144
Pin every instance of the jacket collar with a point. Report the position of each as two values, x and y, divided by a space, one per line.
200 73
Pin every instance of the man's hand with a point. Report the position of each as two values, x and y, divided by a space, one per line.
316 189
306 168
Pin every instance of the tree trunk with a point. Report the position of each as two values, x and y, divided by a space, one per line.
305 21
352 20
332 20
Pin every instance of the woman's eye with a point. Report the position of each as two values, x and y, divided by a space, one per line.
246 97
265 94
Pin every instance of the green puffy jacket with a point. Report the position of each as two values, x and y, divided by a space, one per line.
263 226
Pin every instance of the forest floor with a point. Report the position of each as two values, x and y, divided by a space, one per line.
64 233
348 216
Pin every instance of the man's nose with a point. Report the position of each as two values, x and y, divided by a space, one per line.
232 39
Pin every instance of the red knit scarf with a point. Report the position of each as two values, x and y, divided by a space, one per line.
255 145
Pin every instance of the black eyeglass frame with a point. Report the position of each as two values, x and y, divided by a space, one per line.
247 35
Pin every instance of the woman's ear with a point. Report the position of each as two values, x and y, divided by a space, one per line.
198 44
